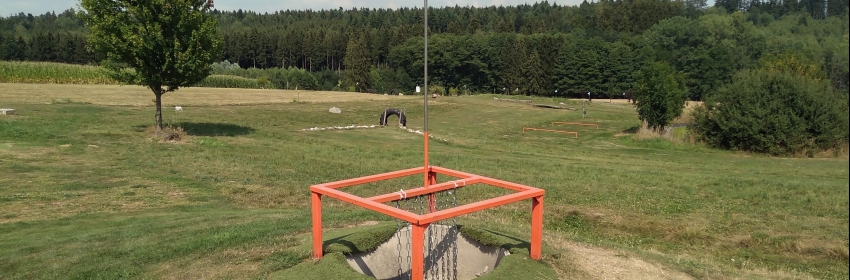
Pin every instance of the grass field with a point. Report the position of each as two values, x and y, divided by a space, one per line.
85 193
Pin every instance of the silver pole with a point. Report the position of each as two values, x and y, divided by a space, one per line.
426 66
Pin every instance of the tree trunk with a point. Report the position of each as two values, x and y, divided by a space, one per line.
158 93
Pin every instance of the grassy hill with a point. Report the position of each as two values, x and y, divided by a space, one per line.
86 193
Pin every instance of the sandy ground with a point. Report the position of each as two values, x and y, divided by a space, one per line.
141 96
600 263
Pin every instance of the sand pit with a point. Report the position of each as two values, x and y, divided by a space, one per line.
473 258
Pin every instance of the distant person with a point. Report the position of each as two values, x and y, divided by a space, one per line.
589 98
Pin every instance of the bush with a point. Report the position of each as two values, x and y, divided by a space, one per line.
658 97
435 89
302 79
768 111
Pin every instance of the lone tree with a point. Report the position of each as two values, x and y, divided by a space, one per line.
658 97
160 44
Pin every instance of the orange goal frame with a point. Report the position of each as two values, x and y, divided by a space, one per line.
419 223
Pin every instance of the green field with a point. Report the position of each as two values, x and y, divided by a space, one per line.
85 193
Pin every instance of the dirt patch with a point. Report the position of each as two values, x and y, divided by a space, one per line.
141 96
597 263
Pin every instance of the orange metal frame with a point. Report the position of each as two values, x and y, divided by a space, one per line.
549 130
575 123
420 222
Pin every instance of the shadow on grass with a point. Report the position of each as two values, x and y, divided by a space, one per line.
214 129
632 130
206 129
340 241
514 243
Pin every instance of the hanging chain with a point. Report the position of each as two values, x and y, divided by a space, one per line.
398 235
455 234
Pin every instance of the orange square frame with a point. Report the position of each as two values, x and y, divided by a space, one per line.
420 222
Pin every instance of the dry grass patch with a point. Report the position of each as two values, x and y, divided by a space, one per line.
586 262
135 195
167 134
142 96
262 196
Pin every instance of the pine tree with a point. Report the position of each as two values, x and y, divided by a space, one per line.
533 79
618 71
513 54
567 69
357 63
590 67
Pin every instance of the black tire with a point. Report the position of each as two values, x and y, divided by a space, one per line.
389 112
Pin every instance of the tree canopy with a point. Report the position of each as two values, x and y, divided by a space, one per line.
595 46
160 44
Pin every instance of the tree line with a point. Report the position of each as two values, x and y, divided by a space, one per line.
541 49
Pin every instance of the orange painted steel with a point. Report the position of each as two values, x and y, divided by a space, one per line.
575 123
316 201
417 252
420 222
420 191
371 205
536 227
373 178
549 130
478 206
453 173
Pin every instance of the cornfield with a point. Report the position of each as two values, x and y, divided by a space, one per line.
60 73
52 73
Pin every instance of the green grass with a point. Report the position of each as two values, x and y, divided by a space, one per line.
86 194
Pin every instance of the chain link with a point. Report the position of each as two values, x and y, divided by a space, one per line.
398 237
456 234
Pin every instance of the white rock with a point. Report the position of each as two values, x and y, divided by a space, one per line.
7 112
335 110
178 108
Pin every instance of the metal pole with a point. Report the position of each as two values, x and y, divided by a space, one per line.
426 70
425 95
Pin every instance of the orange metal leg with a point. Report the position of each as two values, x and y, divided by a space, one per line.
316 200
536 227
417 252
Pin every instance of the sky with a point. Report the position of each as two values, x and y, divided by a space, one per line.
37 7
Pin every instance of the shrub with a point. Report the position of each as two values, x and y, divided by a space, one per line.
768 111
658 97
302 79
263 82
453 91
435 89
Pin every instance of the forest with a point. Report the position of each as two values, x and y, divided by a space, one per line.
541 49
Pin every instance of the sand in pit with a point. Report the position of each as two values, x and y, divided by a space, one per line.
473 258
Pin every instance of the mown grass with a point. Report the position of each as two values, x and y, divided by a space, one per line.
85 193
